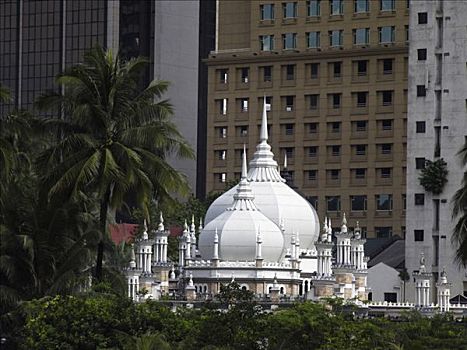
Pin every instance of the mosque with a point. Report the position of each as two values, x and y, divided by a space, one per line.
266 237
262 234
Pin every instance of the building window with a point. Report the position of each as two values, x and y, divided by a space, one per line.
362 68
387 5
421 54
336 150
289 9
362 99
387 98
361 6
312 175
404 201
222 105
221 154
387 66
290 72
420 163
386 148
335 38
334 174
221 177
245 72
360 150
266 42
386 34
386 124
244 105
421 91
337 69
289 41
289 103
422 18
313 128
336 101
313 201
222 132
267 73
314 8
420 127
383 202
333 203
383 232
360 173
407 33
289 151
289 129
314 70
418 235
223 76
243 131
337 7
312 152
267 12
360 125
335 127
358 203
390 297
419 199
361 36
313 40
385 173
313 101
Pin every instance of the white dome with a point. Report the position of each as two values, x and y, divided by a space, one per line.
275 199
238 229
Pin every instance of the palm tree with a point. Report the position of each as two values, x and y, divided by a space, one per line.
113 138
460 213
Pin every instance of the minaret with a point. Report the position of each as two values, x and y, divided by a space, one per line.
187 235
132 258
215 254
422 284
259 254
193 237
444 293
343 244
132 275
343 270
145 251
359 263
183 247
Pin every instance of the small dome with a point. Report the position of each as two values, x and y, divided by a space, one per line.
273 197
237 228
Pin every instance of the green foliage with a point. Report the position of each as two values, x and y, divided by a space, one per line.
434 176
459 213
105 320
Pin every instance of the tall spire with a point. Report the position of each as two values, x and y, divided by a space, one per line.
192 226
263 167
243 198
244 166
161 222
344 224
145 232
264 123
285 160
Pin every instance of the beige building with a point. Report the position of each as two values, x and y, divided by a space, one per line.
335 76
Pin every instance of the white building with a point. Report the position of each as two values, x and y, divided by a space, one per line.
436 128
385 283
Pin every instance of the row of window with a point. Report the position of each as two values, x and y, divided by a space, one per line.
335 70
358 128
314 8
360 99
360 36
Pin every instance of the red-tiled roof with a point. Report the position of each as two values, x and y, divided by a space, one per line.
122 232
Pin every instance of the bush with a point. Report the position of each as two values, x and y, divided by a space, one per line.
434 176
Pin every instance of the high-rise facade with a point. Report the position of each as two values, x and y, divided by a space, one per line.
39 39
334 75
437 129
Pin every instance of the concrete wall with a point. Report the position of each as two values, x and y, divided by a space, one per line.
384 279
444 75
176 60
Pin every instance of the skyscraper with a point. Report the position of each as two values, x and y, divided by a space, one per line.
39 39
437 129
334 74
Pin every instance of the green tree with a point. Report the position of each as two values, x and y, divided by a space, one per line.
460 214
113 139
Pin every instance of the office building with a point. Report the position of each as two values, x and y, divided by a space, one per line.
334 75
437 129
39 39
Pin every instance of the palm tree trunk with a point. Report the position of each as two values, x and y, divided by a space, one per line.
104 207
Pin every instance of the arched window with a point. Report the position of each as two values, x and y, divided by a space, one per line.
300 289
196 289
244 288
270 288
205 289
282 290
306 286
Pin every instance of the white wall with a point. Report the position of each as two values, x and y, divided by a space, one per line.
449 77
384 279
